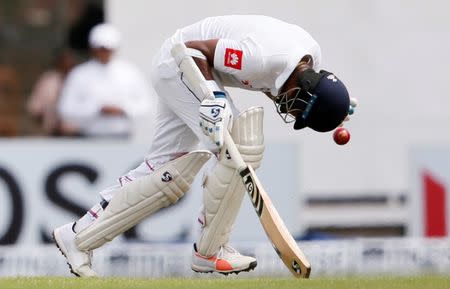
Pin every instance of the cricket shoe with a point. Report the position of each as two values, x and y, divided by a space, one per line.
227 260
79 262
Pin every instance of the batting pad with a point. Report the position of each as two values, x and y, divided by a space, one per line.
248 135
142 197
223 188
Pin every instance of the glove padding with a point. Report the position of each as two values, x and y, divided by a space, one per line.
215 116
353 104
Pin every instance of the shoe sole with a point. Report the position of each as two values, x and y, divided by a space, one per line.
250 267
64 254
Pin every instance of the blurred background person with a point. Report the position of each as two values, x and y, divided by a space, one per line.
104 96
43 99
10 101
30 33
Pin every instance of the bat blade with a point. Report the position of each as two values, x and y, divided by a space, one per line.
274 227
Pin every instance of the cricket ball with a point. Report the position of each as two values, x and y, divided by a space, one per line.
341 136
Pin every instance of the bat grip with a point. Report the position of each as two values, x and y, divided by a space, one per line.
233 151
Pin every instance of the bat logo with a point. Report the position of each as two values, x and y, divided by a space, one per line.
250 187
296 267
253 191
215 111
166 177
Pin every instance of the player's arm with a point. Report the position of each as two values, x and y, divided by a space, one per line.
207 48
112 110
195 61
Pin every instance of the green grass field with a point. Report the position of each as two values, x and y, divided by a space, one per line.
429 282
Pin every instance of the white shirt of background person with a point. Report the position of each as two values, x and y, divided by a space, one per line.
104 96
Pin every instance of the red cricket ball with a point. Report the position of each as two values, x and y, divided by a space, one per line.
341 136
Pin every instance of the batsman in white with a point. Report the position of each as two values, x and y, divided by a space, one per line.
190 72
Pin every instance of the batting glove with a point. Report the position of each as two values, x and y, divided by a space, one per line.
351 110
215 117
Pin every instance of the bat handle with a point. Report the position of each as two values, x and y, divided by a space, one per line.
233 151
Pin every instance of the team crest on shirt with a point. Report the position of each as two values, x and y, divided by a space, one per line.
233 58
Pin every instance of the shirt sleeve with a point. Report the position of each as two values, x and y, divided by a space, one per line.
240 58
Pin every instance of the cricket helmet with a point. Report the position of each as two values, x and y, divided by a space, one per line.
320 101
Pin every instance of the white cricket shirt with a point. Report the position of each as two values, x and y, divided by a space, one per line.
254 52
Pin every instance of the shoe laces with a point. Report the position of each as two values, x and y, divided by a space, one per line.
226 250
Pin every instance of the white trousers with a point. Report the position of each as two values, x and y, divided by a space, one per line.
177 129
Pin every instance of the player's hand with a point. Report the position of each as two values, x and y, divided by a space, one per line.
353 104
351 111
111 110
215 117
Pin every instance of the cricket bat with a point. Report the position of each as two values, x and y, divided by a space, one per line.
282 241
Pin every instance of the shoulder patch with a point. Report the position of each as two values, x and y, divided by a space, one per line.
233 58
